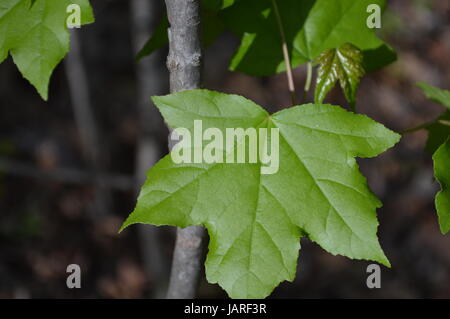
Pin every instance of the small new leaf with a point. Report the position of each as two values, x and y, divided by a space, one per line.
254 220
344 64
34 32
442 173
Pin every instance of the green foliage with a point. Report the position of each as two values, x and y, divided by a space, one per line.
343 64
158 40
439 96
442 173
438 131
255 220
439 144
36 36
217 4
311 27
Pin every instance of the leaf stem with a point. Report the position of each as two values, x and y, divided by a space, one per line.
425 126
417 128
308 81
287 59
444 122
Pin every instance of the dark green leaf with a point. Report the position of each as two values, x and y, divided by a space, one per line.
217 4
311 27
439 144
378 58
439 131
158 40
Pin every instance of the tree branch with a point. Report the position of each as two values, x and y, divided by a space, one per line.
66 175
184 64
84 117
144 16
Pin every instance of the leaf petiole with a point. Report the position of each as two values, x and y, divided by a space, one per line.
287 59
425 126
308 81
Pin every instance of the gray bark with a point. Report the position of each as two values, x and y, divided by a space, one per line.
184 64
185 54
144 16
187 263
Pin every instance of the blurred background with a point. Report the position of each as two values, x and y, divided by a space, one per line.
70 169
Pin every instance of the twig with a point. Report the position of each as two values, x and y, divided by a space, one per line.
85 121
184 63
417 128
144 14
80 100
425 126
66 175
287 59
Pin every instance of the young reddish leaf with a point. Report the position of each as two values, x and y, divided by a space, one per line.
344 64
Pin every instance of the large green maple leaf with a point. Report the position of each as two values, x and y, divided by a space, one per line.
311 27
442 173
254 220
36 36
